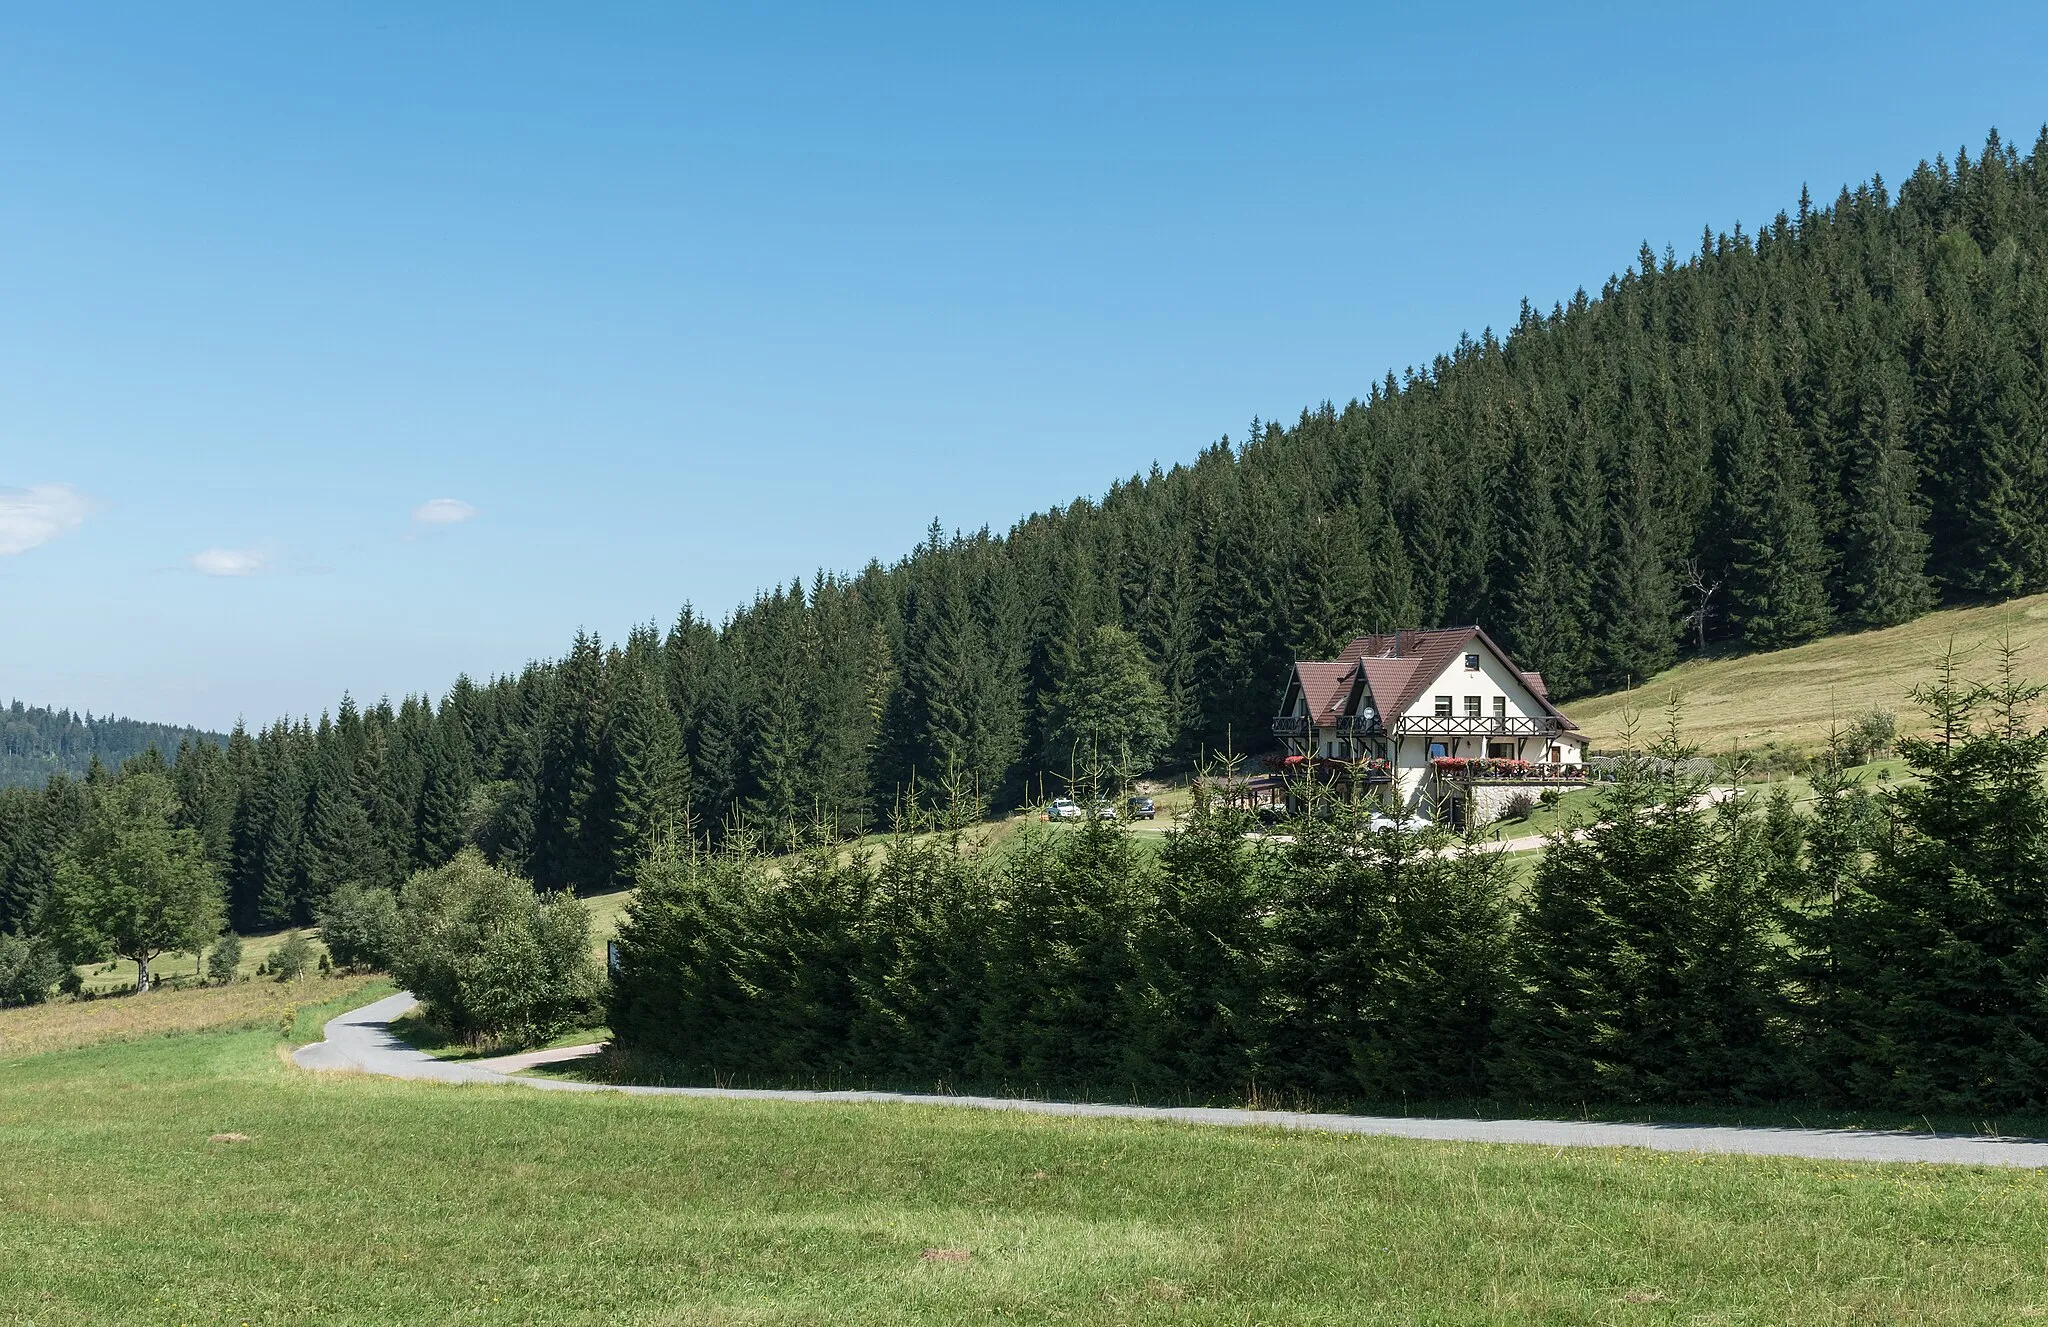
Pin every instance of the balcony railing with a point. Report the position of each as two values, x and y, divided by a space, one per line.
1359 725
1290 725
1475 770
1468 725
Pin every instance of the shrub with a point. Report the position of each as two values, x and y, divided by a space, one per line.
226 959
1872 737
1519 807
360 926
29 966
490 959
291 959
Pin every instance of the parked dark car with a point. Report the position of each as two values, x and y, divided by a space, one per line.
1142 808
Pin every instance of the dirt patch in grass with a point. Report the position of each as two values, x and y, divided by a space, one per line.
64 1024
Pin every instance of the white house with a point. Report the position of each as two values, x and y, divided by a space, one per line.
1439 718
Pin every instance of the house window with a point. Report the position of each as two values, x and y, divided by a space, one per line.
1438 750
1471 707
1472 662
1443 707
1500 707
1500 750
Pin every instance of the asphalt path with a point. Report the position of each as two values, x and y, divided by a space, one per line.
361 1041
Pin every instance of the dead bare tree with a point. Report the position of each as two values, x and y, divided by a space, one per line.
1702 590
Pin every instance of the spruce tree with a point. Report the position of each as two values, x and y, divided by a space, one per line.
649 773
1777 588
1884 578
570 840
1937 947
1638 633
444 794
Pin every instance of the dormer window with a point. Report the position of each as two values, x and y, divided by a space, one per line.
1471 663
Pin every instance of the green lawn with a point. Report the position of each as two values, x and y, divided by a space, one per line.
1789 698
365 1200
416 1032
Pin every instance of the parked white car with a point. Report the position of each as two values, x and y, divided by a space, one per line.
1065 808
1381 823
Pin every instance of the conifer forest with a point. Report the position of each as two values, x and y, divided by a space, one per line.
1871 948
1838 419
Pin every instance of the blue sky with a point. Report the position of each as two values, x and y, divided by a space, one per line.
665 304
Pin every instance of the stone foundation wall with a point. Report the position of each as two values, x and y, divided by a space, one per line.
1483 803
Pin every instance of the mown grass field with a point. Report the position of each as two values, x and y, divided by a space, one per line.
119 974
1791 698
63 1024
357 1200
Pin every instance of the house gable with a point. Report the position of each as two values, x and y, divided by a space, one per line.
1495 676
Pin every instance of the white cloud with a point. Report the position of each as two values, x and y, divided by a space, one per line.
442 511
230 561
37 514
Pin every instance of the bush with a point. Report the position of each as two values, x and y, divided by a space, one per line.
360 926
291 959
490 959
1519 807
226 959
29 966
1872 737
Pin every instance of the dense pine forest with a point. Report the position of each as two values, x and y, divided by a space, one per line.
1838 420
36 742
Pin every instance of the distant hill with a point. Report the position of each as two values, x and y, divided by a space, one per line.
1789 698
36 742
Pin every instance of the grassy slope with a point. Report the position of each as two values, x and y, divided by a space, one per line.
1790 697
366 1200
62 1024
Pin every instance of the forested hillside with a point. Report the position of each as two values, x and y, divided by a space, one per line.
1834 421
36 742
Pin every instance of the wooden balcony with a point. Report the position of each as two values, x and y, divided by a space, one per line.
1484 725
1463 769
1290 725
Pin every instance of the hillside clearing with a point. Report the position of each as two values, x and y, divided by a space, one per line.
66 1024
1791 699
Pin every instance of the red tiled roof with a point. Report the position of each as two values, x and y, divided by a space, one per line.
1389 680
1325 686
1398 666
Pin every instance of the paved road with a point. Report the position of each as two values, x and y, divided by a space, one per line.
362 1041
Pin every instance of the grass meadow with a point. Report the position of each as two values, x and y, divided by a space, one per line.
1792 698
343 1199
63 1024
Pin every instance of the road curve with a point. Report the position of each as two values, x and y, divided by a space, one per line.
362 1041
